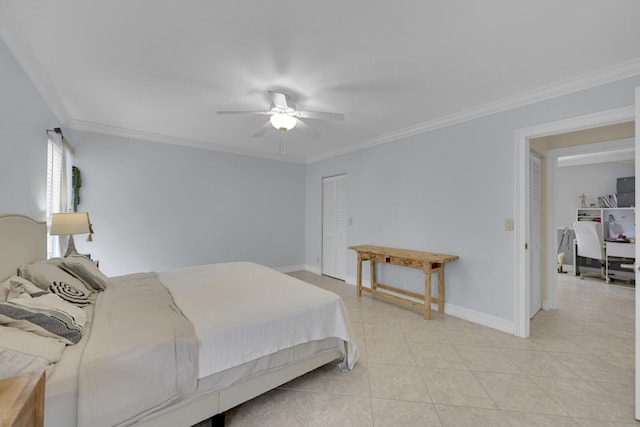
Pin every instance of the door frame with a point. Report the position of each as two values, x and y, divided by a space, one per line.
636 265
522 280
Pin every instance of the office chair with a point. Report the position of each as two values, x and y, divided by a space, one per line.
590 243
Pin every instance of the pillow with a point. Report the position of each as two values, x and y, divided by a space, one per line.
44 314
44 273
5 287
19 285
71 294
8 284
15 285
85 270
22 352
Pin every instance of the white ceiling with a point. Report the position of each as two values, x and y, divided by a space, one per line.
160 69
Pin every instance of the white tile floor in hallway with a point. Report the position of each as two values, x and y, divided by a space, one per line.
577 369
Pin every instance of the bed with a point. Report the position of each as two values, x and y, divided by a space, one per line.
184 345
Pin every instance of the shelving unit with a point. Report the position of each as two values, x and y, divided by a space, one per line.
589 214
620 252
613 220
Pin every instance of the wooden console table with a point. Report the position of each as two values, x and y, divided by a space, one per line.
428 262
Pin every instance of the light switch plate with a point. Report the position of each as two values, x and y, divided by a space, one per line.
508 224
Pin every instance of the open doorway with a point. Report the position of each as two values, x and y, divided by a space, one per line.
593 327
522 290
522 287
585 162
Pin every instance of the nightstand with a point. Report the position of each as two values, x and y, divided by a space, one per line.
22 400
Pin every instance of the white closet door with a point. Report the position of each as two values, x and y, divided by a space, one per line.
535 202
328 226
341 227
334 226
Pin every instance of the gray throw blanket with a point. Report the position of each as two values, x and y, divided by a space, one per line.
141 354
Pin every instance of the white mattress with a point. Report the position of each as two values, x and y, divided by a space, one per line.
243 311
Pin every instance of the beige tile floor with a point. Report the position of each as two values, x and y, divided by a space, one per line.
577 369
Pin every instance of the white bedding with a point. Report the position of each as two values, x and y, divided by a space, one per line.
61 391
22 351
139 357
277 312
212 294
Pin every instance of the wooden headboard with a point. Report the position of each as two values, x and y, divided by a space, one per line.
22 240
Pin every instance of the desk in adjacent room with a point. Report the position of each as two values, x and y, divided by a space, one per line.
616 229
624 254
428 262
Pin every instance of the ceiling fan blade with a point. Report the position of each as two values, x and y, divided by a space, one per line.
279 99
245 112
263 129
307 130
321 115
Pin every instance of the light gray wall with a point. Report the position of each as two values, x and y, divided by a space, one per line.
24 118
158 206
593 180
154 206
447 191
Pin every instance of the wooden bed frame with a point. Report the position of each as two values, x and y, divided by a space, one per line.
23 240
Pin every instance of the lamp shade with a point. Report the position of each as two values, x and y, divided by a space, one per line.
283 121
70 223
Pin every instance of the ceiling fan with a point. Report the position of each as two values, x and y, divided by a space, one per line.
284 116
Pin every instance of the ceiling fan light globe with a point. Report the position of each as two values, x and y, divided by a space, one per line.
283 122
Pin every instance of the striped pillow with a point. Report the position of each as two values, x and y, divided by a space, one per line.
44 314
85 270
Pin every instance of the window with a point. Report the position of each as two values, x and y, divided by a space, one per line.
59 161
54 167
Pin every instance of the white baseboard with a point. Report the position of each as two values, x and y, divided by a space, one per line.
483 319
480 318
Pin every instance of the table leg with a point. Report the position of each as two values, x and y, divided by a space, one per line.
359 281
441 289
374 279
427 293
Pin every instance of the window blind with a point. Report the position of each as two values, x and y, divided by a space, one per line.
59 162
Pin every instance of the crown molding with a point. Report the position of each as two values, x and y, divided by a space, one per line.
585 81
86 126
22 51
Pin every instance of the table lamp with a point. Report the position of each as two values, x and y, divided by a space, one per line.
69 224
